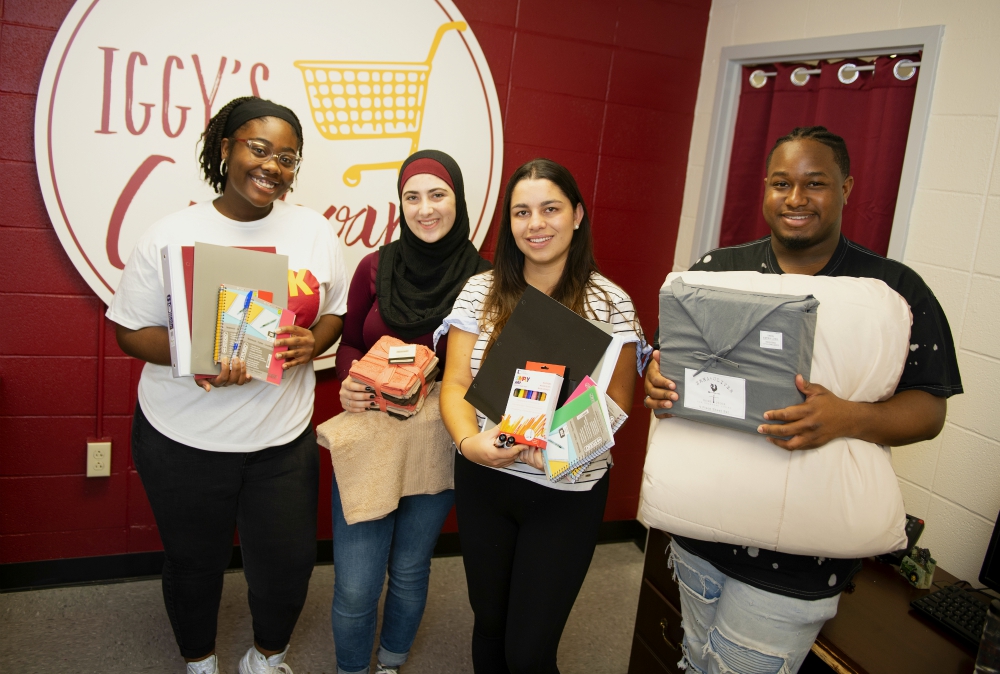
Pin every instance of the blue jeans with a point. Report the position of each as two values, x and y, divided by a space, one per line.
402 542
733 628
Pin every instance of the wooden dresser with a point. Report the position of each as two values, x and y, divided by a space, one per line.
656 644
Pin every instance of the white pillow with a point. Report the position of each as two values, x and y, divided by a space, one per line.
839 500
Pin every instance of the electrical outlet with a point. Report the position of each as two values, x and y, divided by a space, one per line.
98 459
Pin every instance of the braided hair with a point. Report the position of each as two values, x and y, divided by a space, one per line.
211 149
820 135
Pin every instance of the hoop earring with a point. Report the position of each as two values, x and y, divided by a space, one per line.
223 169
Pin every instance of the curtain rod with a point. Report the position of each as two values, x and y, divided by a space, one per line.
904 69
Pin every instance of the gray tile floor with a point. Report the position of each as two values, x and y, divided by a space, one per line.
122 628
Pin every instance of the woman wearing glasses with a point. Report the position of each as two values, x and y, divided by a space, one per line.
235 453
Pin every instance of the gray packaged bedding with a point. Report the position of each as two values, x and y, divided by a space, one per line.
734 354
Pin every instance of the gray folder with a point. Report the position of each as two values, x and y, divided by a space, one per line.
734 354
214 266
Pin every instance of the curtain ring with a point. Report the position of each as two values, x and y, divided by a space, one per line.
800 76
848 73
905 69
758 78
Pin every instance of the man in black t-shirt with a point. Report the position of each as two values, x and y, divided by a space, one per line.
758 608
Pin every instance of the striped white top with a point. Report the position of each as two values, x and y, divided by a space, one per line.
467 315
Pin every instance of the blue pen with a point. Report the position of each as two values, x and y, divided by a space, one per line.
243 321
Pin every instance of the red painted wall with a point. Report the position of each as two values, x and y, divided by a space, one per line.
606 88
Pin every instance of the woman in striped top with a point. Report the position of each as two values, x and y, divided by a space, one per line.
527 542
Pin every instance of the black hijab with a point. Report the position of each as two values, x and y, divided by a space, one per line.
417 282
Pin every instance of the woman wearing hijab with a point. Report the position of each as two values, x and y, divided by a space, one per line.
240 453
403 290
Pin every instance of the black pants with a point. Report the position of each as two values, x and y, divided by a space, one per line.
199 498
526 549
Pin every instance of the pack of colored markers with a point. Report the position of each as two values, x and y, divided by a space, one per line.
532 402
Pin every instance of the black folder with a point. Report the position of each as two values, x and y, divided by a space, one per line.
542 330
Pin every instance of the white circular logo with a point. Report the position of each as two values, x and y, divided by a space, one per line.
129 86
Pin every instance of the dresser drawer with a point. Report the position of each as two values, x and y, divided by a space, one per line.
655 568
642 660
658 624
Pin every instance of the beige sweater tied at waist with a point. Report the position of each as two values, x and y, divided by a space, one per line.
377 458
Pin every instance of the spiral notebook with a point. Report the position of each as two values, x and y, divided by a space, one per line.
256 346
247 326
581 431
230 324
218 265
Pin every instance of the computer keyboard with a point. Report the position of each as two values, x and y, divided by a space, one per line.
955 609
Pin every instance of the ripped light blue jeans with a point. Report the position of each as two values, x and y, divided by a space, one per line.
733 628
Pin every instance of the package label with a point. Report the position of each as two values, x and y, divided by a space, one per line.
715 394
770 340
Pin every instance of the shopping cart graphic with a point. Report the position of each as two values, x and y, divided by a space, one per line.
357 100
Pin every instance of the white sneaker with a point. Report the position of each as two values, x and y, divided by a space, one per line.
209 665
255 662
386 669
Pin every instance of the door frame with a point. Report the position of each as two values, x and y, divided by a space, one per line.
926 39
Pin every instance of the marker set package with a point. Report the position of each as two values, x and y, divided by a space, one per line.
570 437
531 403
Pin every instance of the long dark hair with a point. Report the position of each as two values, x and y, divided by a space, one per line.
508 260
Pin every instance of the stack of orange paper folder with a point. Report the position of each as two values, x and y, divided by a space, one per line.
400 389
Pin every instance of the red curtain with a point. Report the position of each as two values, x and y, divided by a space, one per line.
873 116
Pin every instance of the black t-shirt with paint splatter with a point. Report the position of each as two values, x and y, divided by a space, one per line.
932 366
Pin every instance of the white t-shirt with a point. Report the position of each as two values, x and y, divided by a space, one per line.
256 415
467 315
